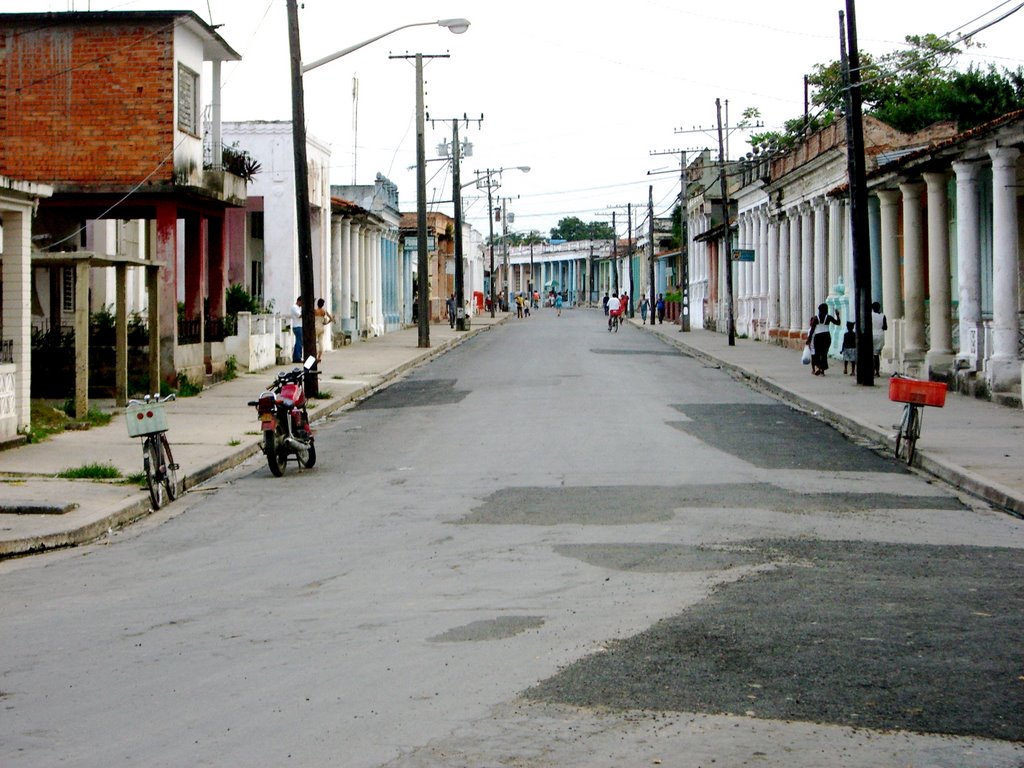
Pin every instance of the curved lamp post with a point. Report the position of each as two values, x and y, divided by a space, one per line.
305 237
455 26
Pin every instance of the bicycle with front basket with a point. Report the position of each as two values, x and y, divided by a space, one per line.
147 419
914 394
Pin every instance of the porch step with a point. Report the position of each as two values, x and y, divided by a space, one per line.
1008 399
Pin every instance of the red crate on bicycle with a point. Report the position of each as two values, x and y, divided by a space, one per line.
916 392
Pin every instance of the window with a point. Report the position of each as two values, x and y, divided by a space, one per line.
256 280
188 100
256 225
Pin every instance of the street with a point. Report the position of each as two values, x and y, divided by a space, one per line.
551 546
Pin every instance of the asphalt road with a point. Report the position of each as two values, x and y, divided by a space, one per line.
553 546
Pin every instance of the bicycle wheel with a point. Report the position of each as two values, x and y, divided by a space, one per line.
151 464
170 469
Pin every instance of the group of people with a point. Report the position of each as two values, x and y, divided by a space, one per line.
321 317
819 340
645 306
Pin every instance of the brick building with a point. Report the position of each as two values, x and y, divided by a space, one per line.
106 108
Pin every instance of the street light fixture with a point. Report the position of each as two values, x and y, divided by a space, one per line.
455 26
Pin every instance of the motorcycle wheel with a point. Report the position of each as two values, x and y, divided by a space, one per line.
276 458
307 458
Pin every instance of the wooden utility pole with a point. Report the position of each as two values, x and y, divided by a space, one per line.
858 196
726 233
305 235
650 239
629 256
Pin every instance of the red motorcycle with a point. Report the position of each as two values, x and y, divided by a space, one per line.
284 421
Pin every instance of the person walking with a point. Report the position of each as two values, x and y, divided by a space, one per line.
321 319
819 339
660 308
604 303
878 328
558 304
450 308
297 330
644 306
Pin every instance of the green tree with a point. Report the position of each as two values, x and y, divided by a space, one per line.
573 228
908 89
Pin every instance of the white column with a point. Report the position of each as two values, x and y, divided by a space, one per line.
913 275
335 292
968 257
784 284
796 301
1003 367
822 277
892 298
940 342
17 299
345 309
834 256
773 274
810 299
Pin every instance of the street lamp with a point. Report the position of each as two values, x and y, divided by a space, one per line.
491 184
305 237
455 26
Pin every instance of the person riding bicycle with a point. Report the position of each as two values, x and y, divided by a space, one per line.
614 308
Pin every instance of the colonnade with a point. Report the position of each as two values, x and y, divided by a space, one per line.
371 288
917 237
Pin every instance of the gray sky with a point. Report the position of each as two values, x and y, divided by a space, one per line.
582 95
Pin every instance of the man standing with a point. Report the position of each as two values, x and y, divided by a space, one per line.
297 330
450 304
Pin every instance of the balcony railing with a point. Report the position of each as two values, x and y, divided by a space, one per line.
6 350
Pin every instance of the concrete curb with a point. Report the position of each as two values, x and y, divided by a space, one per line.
138 508
953 475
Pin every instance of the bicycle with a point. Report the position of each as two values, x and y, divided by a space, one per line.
146 419
914 395
613 323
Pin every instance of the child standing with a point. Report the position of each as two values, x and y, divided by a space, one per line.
850 349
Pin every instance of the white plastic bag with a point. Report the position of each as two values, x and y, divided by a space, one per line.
806 357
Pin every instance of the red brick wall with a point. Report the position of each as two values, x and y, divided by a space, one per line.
92 105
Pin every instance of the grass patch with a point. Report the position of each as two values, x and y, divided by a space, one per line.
45 420
231 368
91 472
323 394
337 376
135 478
187 387
234 441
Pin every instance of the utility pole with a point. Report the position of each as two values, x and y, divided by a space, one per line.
305 235
615 257
684 314
858 196
490 226
422 260
460 280
590 286
726 237
650 239
629 253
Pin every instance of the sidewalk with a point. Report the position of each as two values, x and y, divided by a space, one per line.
209 434
972 444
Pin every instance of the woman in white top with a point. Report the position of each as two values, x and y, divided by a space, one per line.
819 339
